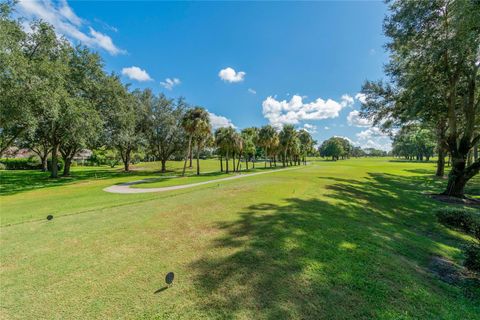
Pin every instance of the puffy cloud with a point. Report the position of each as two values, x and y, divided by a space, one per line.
310 128
361 97
219 121
135 73
252 91
354 119
61 16
230 75
346 101
373 137
295 110
170 83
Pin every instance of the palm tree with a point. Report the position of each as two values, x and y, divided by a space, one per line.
287 139
267 138
249 137
196 123
306 144
224 139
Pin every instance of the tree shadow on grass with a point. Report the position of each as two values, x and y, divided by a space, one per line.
364 254
17 181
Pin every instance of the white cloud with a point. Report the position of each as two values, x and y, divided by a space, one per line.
170 83
361 97
61 16
310 128
135 73
230 75
295 110
373 137
354 119
346 101
252 91
219 121
326 128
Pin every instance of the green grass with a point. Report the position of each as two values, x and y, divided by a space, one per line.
332 240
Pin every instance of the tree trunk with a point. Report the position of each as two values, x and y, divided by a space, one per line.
126 160
188 153
440 163
226 163
238 162
198 159
475 153
190 156
54 168
164 165
459 176
246 163
44 160
221 164
266 151
253 162
66 166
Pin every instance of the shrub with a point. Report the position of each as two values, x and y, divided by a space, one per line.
462 219
472 257
21 163
2 166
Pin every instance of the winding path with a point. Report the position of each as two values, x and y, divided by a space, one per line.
125 187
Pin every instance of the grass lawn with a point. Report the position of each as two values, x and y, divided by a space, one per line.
332 240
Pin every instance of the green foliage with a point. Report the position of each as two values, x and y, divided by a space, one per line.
463 219
413 142
334 147
472 257
21 163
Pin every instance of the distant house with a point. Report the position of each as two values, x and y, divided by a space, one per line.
14 152
83 155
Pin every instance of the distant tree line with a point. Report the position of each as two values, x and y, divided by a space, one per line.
342 148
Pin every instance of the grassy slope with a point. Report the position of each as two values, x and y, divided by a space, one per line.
332 240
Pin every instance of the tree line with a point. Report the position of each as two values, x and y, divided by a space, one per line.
56 100
432 81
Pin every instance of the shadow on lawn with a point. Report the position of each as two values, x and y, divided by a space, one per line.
364 254
17 181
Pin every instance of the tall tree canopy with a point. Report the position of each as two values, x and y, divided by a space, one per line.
433 78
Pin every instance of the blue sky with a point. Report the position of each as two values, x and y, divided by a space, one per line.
249 63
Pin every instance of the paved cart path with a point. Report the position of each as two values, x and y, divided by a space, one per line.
125 187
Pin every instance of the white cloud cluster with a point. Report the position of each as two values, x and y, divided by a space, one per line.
230 75
66 23
170 83
354 119
373 137
346 101
219 121
310 128
295 110
135 73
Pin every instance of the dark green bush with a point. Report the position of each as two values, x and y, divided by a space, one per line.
472 257
465 220
21 164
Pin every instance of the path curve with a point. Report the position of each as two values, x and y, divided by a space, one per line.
125 187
